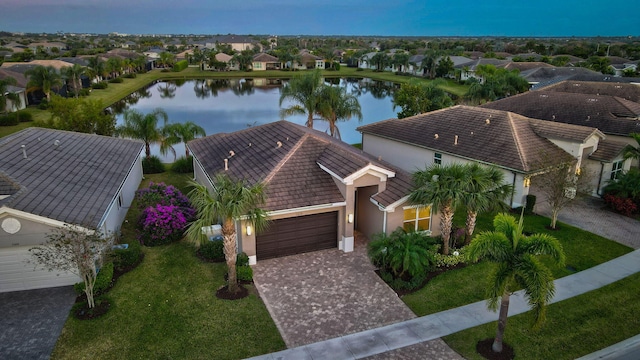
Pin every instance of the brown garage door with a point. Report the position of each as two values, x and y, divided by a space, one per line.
298 235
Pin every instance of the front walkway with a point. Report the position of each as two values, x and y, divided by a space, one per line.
590 214
386 339
324 294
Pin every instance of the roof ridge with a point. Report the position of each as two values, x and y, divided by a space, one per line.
516 138
286 158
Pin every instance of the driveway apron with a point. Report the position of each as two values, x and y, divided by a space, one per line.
31 321
325 294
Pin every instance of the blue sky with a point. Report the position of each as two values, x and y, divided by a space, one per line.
326 17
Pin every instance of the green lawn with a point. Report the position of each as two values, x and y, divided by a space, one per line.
167 309
464 286
574 327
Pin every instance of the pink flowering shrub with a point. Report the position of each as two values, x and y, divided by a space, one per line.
166 213
162 194
161 224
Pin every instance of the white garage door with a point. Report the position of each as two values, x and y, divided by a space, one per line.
16 274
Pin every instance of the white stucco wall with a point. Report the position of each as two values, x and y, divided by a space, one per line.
118 211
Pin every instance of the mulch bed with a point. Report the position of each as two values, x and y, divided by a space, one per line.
483 347
223 293
81 310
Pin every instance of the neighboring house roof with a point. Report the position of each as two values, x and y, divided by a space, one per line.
128 54
457 60
608 150
553 74
610 114
494 137
472 65
75 60
523 66
18 66
629 92
74 181
222 57
230 39
617 60
21 80
572 59
296 163
264 57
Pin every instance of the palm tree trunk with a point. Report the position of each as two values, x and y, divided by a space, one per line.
186 150
309 123
230 253
445 226
470 226
502 322
147 149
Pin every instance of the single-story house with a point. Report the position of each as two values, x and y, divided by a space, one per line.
319 190
521 147
12 106
236 42
309 61
49 178
264 61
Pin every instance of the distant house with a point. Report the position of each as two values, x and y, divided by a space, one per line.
237 42
47 46
468 69
19 88
309 61
319 190
519 146
12 106
625 91
264 61
49 178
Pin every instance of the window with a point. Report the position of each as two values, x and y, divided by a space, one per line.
616 169
437 158
257 65
417 218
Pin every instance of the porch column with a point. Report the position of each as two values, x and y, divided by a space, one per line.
349 219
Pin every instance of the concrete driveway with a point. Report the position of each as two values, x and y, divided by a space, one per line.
31 321
590 214
325 294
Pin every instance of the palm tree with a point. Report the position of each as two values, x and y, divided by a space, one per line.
183 132
43 78
167 59
96 68
304 91
486 191
145 127
518 266
443 188
228 201
73 74
335 104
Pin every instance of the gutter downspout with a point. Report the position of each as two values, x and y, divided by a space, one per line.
384 222
600 178
514 187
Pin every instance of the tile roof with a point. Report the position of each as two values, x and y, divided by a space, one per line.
626 91
490 136
543 74
610 114
74 181
608 150
264 57
523 66
287 158
21 80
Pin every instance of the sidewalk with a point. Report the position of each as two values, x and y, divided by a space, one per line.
430 327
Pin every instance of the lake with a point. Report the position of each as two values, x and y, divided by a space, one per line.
228 105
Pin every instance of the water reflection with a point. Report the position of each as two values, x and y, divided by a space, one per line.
228 105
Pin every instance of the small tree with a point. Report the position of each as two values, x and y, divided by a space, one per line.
73 249
560 186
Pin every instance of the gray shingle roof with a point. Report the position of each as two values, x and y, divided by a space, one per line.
494 137
611 115
626 91
292 169
73 182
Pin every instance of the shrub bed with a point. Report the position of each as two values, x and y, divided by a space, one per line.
212 251
180 65
184 165
100 85
116 80
103 281
152 165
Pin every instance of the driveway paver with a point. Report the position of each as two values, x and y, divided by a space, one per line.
31 321
326 294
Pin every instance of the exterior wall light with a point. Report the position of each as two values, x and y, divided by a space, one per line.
249 230
350 218
527 182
